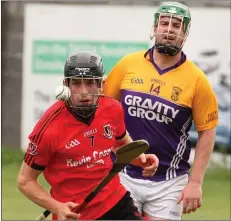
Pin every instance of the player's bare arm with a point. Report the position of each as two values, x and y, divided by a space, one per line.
192 194
149 162
121 142
204 149
28 184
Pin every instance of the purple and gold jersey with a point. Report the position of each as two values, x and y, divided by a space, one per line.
159 107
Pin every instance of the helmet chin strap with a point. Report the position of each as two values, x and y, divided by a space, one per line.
170 50
85 114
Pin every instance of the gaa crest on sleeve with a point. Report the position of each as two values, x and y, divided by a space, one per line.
108 131
32 149
175 93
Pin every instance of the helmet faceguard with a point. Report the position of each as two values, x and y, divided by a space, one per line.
173 10
84 76
84 101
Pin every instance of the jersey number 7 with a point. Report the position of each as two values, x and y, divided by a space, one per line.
92 140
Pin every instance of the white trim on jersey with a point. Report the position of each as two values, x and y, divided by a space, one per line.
125 170
171 171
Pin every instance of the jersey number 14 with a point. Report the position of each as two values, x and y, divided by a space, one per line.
154 89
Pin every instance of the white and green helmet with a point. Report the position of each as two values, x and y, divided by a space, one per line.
173 10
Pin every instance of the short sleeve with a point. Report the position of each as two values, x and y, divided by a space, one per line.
39 150
205 106
113 81
121 129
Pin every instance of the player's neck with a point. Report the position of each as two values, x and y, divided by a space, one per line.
165 61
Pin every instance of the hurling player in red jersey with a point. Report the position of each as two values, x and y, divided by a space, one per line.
71 146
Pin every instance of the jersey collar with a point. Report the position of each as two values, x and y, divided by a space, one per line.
149 55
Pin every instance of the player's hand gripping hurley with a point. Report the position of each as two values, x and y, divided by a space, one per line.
124 156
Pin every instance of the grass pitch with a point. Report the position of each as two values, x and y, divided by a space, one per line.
216 193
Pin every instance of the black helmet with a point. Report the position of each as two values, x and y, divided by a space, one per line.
84 65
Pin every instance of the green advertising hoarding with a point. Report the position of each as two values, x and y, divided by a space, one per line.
48 56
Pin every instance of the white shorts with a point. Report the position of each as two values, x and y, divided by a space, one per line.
156 199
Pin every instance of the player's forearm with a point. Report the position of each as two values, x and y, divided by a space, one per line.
124 141
203 151
36 193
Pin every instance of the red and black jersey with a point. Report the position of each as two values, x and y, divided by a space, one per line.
76 156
